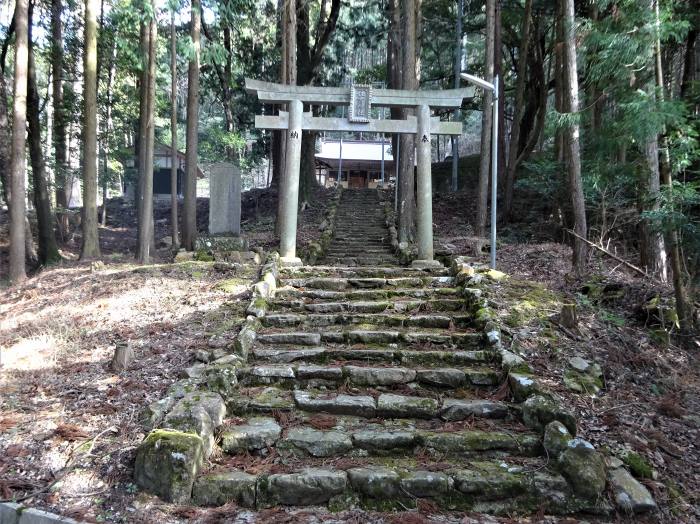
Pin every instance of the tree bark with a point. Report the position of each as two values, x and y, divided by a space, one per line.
18 165
59 116
407 200
90 247
572 139
684 308
174 161
652 254
515 130
146 240
189 225
486 123
48 250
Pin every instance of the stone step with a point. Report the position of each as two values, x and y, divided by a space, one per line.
353 272
326 436
402 304
484 486
360 374
443 338
429 320
372 354
251 400
362 261
364 252
340 283
369 294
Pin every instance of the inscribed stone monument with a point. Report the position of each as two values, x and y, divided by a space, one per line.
224 199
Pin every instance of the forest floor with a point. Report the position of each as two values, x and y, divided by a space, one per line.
64 412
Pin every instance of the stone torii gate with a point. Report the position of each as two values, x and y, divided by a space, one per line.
359 98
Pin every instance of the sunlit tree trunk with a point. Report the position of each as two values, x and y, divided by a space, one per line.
18 164
407 200
59 114
48 250
486 122
174 161
90 247
189 223
572 138
146 241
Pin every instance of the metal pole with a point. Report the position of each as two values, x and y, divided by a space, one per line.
382 159
340 163
494 170
396 176
457 69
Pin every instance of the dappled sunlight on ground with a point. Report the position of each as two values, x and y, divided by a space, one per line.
60 402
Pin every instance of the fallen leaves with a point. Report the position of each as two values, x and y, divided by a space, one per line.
70 432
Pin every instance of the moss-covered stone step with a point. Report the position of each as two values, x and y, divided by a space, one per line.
353 437
367 353
251 400
374 335
436 293
496 487
340 284
360 374
420 320
360 272
363 260
398 305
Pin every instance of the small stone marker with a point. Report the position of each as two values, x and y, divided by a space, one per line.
224 199
123 355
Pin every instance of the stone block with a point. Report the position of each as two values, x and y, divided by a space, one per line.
10 513
584 468
538 411
217 489
446 377
318 443
375 482
378 440
363 376
630 495
426 483
400 406
309 487
167 463
258 433
455 409
359 406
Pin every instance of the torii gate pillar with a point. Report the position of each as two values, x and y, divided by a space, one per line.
424 192
289 187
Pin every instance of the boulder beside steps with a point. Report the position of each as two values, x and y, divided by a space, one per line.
367 414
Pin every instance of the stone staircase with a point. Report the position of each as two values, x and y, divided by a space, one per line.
374 388
361 236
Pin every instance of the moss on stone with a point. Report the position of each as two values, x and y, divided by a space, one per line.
231 285
203 256
638 465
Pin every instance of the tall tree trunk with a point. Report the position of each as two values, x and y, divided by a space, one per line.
407 200
108 127
515 130
189 225
18 165
48 250
578 203
59 116
289 77
394 65
652 253
146 240
457 68
486 122
684 308
90 247
174 161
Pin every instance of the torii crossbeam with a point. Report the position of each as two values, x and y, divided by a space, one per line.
360 98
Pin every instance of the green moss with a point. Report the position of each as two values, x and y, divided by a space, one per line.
528 301
203 256
387 504
638 465
232 284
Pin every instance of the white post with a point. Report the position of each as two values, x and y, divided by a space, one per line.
290 187
494 170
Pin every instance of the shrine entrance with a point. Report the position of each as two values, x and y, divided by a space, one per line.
359 98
